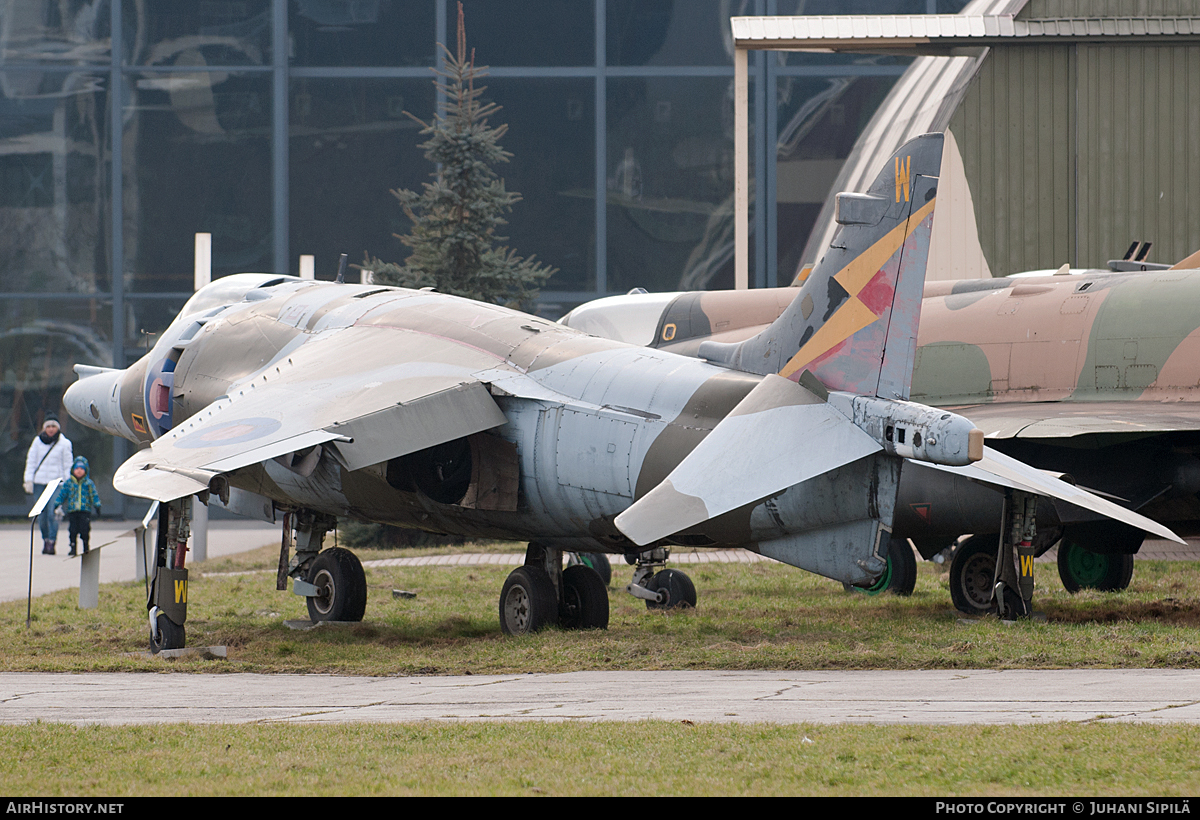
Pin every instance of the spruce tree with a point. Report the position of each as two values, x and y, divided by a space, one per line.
454 219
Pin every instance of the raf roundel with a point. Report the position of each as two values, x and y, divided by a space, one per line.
237 431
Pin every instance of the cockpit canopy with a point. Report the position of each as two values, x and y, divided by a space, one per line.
632 318
229 290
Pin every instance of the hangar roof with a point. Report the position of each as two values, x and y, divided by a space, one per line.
944 33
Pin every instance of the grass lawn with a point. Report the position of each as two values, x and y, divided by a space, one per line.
749 616
634 759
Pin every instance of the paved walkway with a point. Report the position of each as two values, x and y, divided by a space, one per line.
118 557
920 697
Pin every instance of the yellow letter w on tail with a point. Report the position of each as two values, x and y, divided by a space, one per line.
902 177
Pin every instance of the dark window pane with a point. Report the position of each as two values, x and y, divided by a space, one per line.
71 32
40 341
350 143
551 136
27 180
819 121
526 32
53 186
672 32
670 183
147 318
198 159
197 33
344 165
362 32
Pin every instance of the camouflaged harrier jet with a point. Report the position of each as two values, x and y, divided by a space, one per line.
306 401
1091 373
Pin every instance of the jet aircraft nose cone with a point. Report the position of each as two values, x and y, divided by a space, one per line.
94 400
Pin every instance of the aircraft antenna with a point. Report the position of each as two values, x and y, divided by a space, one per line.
341 277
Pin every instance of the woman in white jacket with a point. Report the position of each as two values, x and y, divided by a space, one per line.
49 458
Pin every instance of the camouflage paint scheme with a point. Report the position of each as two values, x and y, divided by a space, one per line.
1093 373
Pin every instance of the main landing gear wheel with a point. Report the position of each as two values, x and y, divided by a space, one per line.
596 560
679 590
528 603
167 635
585 599
972 573
1082 569
900 575
341 586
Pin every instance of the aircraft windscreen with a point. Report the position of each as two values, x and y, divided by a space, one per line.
631 318
227 290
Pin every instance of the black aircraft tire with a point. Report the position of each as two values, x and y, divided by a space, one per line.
170 635
681 592
900 576
585 599
1081 569
598 561
339 575
971 575
528 603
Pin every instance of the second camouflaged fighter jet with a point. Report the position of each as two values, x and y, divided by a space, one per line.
1093 373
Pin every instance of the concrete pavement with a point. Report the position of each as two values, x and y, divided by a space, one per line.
917 697
117 560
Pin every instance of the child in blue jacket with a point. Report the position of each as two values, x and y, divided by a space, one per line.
77 496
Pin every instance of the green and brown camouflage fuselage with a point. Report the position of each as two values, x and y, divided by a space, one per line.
1096 375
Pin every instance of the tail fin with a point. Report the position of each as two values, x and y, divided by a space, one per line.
854 321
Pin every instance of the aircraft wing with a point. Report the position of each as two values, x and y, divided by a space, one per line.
374 394
1000 470
1066 419
780 434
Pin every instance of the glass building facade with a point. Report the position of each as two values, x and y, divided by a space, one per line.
280 127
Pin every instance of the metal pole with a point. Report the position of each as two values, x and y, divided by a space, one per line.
116 228
600 166
279 135
29 595
203 269
741 170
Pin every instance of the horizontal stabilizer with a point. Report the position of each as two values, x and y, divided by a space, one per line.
780 434
1064 419
1000 470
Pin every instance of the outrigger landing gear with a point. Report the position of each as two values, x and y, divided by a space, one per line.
659 587
995 574
596 560
900 575
332 582
542 594
167 599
